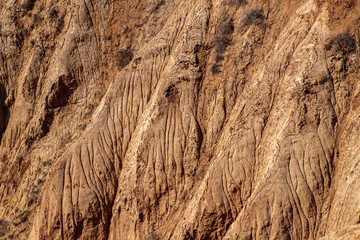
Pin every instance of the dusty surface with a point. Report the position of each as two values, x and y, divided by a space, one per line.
169 119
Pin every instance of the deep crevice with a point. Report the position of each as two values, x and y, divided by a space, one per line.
4 111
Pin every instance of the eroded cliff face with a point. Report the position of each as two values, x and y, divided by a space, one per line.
169 119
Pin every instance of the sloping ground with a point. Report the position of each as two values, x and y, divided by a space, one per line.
175 119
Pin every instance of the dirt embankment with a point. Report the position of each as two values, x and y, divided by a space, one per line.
169 119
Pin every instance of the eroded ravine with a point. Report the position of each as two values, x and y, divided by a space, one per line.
179 120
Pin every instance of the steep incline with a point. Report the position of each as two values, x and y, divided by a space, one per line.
222 119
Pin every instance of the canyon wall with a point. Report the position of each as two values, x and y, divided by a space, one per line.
170 119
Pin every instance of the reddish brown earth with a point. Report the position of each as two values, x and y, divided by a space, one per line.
169 119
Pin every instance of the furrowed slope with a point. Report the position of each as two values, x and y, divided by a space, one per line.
179 120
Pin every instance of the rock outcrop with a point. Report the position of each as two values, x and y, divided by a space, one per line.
169 119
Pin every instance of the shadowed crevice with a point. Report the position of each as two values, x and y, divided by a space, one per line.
4 111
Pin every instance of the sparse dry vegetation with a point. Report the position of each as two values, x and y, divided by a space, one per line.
3 227
227 27
254 16
53 14
343 42
153 236
123 57
28 5
60 25
221 43
218 57
238 2
215 69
